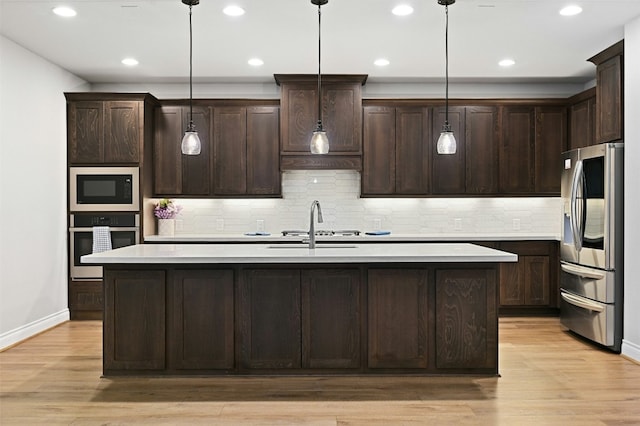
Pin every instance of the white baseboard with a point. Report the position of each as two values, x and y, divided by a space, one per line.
631 350
21 333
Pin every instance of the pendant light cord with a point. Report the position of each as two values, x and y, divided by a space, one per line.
319 74
191 127
446 60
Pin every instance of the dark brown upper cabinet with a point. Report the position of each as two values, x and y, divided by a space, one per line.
517 154
106 128
341 119
582 119
240 150
449 170
175 173
396 154
609 93
550 142
532 140
246 153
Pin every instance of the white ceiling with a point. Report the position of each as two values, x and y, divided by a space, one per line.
283 33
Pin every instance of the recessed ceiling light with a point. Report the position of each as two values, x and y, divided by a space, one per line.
130 62
507 62
65 11
233 10
402 10
570 10
381 62
256 62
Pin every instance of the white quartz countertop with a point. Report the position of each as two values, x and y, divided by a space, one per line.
298 253
391 238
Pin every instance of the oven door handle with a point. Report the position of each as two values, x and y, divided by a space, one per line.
111 229
582 272
582 303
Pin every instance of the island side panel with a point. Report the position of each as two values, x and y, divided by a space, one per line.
466 320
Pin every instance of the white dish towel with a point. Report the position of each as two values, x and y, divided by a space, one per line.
101 239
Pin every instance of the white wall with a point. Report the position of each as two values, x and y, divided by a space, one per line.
631 340
33 242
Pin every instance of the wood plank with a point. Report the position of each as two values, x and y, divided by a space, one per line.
548 376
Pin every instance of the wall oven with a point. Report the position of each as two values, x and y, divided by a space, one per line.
591 246
104 189
124 229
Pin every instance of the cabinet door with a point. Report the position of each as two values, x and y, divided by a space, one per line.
449 170
85 132
134 320
167 158
582 124
270 319
512 289
609 100
263 151
481 149
466 315
123 127
536 280
202 320
196 169
331 318
299 116
230 150
551 141
342 116
397 318
379 153
517 150
412 151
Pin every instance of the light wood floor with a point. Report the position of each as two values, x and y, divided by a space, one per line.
549 377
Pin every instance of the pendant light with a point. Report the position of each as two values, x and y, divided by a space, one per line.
191 141
446 141
319 141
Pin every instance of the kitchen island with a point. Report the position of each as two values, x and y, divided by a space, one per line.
212 309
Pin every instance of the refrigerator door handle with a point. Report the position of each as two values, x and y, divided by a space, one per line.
582 303
575 220
582 272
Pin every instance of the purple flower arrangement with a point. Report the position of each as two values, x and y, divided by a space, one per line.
166 209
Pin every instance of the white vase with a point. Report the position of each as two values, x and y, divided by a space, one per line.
166 227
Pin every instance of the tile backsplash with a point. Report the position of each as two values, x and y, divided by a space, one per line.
339 194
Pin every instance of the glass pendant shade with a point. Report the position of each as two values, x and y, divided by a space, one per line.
191 143
319 142
446 142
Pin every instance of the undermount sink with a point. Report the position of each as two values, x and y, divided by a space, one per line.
305 246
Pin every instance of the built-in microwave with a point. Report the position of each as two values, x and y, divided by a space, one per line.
103 189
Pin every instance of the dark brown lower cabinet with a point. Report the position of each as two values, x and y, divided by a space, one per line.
134 320
531 284
300 319
270 312
86 300
202 319
397 318
331 318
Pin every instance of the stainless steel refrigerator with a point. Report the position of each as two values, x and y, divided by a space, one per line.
592 245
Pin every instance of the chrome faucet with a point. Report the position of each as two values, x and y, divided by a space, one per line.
312 230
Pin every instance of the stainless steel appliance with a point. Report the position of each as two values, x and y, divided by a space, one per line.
591 247
124 229
103 189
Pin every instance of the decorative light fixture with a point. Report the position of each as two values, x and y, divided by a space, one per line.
191 141
446 141
319 141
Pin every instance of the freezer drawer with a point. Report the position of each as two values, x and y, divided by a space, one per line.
592 283
591 319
